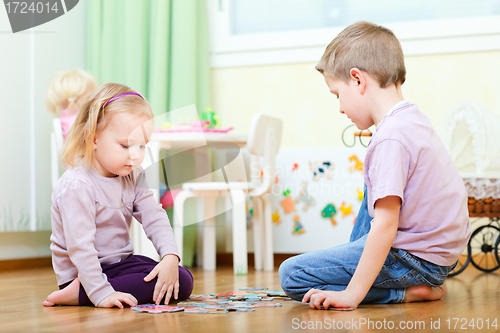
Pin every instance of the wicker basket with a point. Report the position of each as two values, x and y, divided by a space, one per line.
484 207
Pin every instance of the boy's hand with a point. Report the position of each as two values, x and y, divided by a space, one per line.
117 299
323 299
167 271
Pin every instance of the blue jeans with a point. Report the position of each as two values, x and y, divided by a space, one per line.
333 268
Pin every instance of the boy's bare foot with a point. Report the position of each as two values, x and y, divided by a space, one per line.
423 293
66 296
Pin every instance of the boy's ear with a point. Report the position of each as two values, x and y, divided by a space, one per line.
359 79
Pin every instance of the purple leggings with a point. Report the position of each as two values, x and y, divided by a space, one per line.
127 276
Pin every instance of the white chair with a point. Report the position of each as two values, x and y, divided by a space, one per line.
56 146
263 143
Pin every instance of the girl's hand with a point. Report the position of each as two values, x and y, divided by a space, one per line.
167 271
323 299
117 299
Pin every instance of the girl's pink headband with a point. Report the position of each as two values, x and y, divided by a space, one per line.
121 95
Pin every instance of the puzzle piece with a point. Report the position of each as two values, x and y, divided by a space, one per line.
205 310
153 308
266 305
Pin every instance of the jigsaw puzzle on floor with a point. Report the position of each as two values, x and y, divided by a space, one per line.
245 300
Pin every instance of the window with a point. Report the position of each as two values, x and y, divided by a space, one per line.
257 32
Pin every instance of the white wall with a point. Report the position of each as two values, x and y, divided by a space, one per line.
298 94
27 61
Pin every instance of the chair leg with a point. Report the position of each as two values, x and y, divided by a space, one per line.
268 234
258 235
240 262
179 219
200 207
209 249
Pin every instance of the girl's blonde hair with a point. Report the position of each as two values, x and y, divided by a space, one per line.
368 47
95 115
66 87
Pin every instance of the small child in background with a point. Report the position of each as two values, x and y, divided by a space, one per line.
93 204
65 94
413 224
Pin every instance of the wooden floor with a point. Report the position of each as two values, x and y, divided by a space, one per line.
471 296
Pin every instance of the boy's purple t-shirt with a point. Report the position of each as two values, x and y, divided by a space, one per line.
91 216
406 158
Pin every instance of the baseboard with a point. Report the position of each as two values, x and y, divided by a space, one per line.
227 258
15 264
223 259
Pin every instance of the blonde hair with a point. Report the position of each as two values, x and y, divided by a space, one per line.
95 115
368 47
65 88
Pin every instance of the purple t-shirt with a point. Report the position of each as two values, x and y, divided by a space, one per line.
406 158
91 216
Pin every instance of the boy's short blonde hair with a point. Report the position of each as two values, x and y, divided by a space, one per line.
368 47
66 87
95 114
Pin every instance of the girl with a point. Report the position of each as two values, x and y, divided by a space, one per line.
65 94
93 204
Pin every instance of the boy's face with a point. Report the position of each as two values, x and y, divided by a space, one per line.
351 100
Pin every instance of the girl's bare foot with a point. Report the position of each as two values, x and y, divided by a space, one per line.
66 296
423 293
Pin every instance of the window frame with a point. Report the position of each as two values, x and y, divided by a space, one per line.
417 38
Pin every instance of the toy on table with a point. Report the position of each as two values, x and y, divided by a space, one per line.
209 122
211 118
153 308
329 212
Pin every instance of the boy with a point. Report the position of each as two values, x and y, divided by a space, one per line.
414 193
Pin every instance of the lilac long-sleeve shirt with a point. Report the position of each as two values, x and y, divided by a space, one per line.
91 216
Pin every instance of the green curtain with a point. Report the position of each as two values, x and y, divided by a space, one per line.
159 48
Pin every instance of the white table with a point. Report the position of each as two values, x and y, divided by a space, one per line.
182 141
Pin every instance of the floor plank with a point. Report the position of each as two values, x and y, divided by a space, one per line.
472 295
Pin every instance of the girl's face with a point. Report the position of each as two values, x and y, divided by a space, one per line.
120 146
